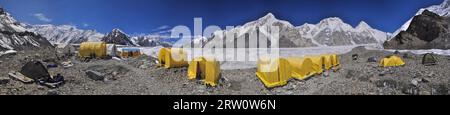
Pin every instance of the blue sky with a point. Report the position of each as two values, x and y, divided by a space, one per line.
149 16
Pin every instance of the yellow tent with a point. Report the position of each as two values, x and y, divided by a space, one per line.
301 68
130 52
317 63
327 61
172 58
92 50
391 61
335 60
273 72
205 68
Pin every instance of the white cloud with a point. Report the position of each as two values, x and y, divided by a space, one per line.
42 17
163 27
86 25
162 30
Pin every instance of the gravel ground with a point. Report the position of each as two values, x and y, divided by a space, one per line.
140 76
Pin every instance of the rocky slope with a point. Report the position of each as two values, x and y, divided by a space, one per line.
13 35
426 31
442 9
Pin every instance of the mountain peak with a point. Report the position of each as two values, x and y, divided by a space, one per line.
332 19
117 30
67 27
269 15
268 18
331 22
117 36
363 25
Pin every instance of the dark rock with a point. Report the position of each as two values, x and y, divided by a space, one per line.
95 75
372 59
4 80
355 57
397 52
424 80
440 89
388 83
410 90
52 92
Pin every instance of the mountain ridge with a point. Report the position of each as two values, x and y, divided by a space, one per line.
14 36
331 31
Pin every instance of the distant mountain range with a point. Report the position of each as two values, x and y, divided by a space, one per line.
427 30
67 34
16 35
328 32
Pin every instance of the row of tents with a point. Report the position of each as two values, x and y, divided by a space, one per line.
274 72
103 50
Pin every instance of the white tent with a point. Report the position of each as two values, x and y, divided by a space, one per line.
111 50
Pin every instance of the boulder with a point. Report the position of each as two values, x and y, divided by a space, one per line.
94 75
4 80
372 59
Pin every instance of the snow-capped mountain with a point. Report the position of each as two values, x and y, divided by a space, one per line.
65 34
117 36
289 36
334 32
328 32
442 9
13 34
68 34
149 41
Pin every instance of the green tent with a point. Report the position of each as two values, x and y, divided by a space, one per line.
429 59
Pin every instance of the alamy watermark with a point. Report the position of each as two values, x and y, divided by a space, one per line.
234 44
